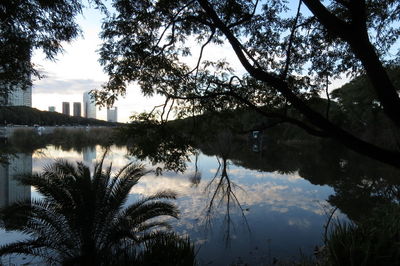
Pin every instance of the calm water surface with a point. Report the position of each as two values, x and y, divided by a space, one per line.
280 215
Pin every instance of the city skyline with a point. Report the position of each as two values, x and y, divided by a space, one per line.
77 70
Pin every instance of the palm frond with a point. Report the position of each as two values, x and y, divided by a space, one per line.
83 215
138 214
35 248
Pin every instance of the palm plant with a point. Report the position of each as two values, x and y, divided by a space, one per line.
82 218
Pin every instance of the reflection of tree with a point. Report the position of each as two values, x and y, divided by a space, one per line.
27 141
171 147
196 177
221 191
358 181
358 196
159 144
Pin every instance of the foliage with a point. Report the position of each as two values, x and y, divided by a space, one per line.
360 183
374 241
169 250
147 140
290 54
29 25
362 112
82 218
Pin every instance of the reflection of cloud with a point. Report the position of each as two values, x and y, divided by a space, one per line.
279 209
273 191
240 172
274 197
273 203
299 222
43 157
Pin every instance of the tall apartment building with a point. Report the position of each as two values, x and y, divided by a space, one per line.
65 108
112 114
18 97
77 109
89 106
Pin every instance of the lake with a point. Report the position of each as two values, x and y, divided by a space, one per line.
270 204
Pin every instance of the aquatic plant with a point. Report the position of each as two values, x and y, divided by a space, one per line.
374 241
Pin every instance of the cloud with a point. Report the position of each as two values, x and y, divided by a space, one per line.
65 86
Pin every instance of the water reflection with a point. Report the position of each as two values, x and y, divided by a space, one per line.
221 191
89 154
279 189
10 189
282 210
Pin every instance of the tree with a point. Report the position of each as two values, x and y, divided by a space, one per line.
364 114
33 24
82 219
289 55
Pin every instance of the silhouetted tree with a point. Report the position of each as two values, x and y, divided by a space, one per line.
289 57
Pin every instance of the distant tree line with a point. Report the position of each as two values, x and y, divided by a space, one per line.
354 107
22 115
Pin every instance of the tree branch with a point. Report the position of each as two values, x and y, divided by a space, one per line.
356 35
291 37
334 25
246 18
349 140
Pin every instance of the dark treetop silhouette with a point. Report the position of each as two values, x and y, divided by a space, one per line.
289 58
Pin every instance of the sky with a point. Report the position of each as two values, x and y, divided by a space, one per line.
77 70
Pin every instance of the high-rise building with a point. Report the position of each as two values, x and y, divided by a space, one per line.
18 97
77 109
89 106
112 114
52 108
65 108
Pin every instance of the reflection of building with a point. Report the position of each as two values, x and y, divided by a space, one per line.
112 114
256 141
10 189
18 97
89 106
65 108
52 108
77 109
89 154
